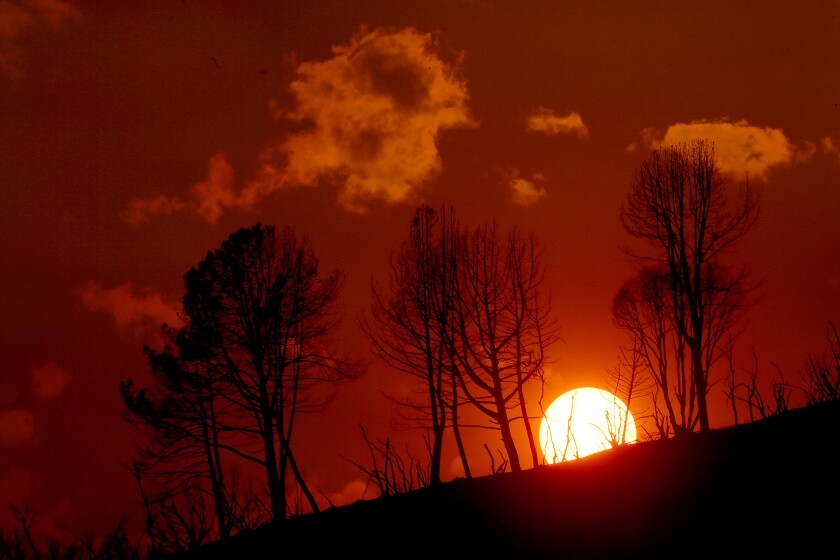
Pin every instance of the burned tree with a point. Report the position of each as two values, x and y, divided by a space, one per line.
411 328
253 356
679 206
260 305
182 415
503 328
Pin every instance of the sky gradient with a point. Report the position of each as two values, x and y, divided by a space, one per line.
135 137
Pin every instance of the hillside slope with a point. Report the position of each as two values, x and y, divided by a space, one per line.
766 487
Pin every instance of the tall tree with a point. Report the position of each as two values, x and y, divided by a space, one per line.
259 304
411 327
182 414
679 206
642 308
255 352
504 327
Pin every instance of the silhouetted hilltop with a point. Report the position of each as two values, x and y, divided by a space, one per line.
767 487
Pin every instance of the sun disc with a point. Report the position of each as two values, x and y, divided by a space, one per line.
584 421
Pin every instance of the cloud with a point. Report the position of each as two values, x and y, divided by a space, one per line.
49 380
20 16
525 192
374 111
209 199
740 147
216 193
830 147
351 492
545 121
16 426
139 309
139 210
371 115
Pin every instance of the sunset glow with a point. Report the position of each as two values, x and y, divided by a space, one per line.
137 137
584 421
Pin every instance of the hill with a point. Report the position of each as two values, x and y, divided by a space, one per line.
768 487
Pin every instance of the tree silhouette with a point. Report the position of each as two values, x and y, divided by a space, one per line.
255 352
19 543
629 382
678 206
183 414
259 305
411 328
503 326
466 316
822 373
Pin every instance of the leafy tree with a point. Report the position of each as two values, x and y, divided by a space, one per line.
679 206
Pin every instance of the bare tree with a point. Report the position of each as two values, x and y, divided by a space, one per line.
629 381
822 373
679 206
504 328
182 415
266 315
411 328
392 472
19 543
253 355
642 307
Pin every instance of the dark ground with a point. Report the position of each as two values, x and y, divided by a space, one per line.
765 489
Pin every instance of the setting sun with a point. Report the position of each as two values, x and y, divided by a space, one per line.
584 421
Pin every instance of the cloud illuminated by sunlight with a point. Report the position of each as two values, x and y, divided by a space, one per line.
375 110
209 199
131 307
351 492
831 147
139 210
19 16
215 193
741 147
525 192
545 121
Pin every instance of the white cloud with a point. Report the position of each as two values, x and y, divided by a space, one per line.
547 122
740 147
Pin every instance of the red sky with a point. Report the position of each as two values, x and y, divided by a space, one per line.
136 136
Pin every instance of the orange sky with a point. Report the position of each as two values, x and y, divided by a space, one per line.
135 139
